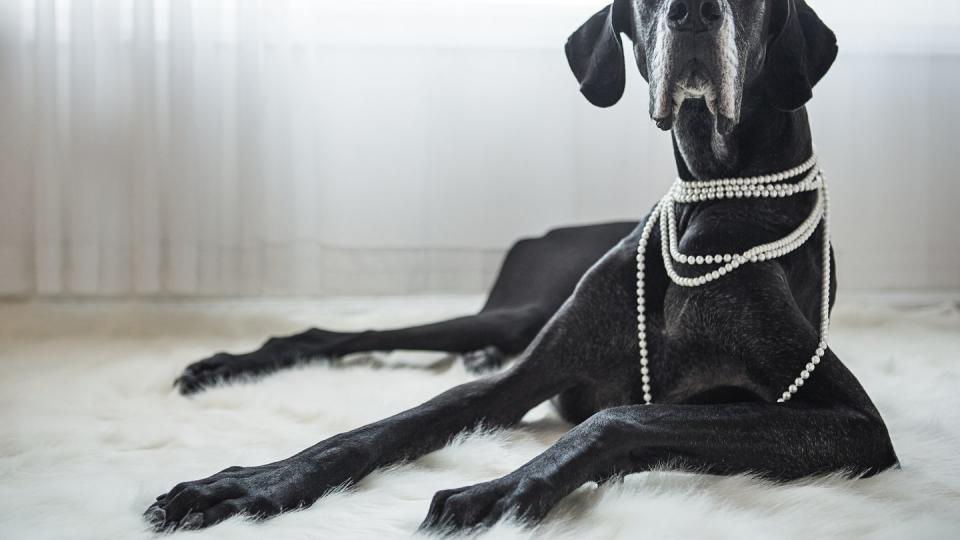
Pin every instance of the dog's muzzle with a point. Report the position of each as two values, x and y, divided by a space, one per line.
695 56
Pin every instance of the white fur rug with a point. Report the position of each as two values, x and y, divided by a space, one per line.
91 431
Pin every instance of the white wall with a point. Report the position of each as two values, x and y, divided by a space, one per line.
282 147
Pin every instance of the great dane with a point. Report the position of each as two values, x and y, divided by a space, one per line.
729 79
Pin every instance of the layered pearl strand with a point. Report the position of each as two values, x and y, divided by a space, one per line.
767 186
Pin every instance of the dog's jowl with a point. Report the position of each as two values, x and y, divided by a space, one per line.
729 79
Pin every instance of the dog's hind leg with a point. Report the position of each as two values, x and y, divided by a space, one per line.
505 331
536 276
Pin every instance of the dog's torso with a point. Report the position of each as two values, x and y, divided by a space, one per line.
741 338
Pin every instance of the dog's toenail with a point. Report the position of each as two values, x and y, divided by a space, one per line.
192 521
155 515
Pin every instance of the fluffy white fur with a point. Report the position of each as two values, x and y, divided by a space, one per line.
92 431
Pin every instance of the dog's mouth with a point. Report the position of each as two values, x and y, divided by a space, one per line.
695 81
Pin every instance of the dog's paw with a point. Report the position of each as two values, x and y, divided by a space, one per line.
484 360
482 505
263 491
201 503
218 368
275 354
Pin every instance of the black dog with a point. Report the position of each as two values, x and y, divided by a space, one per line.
730 78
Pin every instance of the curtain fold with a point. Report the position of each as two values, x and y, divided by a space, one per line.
256 148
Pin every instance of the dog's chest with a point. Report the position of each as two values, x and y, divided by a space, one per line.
690 380
703 347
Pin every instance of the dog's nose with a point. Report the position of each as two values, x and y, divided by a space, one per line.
694 15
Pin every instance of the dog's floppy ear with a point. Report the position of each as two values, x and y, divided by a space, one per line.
799 54
595 54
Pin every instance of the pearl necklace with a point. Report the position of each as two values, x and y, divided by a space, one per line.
767 186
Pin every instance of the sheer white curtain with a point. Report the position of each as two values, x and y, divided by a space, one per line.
275 147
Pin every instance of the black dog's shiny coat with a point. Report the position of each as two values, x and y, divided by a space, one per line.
721 354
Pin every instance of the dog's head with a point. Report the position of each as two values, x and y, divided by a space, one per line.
715 53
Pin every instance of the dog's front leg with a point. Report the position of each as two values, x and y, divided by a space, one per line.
781 442
298 481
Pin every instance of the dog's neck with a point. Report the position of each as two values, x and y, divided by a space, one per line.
765 141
